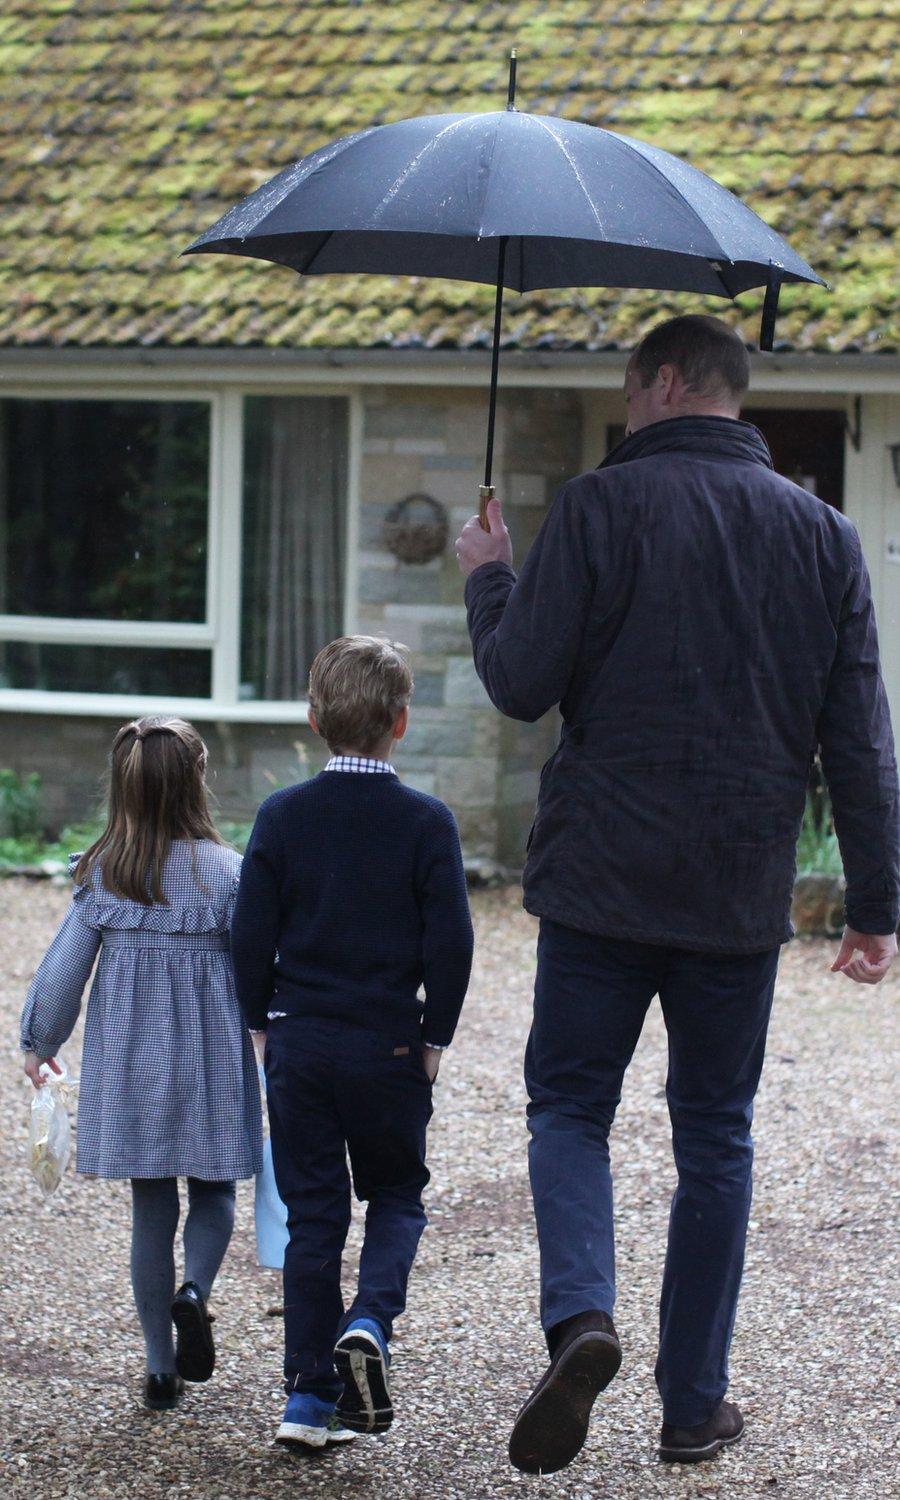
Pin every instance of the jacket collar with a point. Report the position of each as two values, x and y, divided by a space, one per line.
707 437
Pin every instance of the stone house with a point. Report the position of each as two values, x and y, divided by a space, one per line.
198 457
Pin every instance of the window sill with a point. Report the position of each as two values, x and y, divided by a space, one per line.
125 706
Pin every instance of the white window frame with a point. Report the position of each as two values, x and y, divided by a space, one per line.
220 633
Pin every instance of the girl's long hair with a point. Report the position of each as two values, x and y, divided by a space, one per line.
157 793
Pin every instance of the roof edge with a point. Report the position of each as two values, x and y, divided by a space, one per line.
854 373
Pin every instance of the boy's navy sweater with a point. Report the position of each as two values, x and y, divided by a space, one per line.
352 896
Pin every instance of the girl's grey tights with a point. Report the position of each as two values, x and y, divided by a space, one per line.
207 1230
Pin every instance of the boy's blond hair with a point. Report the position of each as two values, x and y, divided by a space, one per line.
358 687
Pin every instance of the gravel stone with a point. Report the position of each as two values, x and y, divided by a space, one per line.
813 1362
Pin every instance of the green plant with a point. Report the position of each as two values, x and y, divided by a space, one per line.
73 840
32 849
235 833
20 852
817 846
20 805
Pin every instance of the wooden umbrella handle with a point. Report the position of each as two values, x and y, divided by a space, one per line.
485 493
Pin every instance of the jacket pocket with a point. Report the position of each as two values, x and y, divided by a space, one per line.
545 771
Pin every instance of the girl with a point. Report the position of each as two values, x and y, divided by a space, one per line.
168 1079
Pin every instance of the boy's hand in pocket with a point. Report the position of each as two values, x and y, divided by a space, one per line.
431 1061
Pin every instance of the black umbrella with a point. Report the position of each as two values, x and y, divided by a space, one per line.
513 199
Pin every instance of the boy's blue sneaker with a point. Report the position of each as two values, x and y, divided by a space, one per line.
309 1422
362 1359
337 1432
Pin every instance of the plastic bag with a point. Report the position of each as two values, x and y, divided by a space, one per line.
270 1213
50 1132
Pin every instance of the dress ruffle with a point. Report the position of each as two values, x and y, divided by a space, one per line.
168 1078
98 907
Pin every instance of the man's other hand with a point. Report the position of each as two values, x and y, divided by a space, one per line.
475 546
865 956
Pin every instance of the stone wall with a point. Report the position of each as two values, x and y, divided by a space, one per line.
432 442
416 440
247 761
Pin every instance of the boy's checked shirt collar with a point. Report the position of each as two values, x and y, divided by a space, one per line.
360 763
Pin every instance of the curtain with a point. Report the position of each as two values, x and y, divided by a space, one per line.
295 521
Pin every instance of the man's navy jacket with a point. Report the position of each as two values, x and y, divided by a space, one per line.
705 626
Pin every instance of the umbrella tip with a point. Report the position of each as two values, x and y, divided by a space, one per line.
511 96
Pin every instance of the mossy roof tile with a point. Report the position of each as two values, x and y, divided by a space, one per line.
129 125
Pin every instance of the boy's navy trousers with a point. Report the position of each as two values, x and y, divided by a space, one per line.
334 1088
591 996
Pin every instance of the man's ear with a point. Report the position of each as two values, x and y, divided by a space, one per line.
401 723
313 721
667 380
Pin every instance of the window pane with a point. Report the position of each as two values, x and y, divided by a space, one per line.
295 506
103 509
163 671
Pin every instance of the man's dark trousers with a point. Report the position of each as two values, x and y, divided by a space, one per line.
591 997
335 1088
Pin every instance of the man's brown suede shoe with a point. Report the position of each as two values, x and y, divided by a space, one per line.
691 1445
553 1424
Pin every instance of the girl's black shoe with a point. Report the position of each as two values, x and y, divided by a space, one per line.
195 1352
161 1392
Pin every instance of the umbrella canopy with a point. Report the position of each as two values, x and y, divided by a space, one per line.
577 206
514 199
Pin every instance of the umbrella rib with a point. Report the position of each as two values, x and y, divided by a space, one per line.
487 175
304 270
304 170
714 265
521 244
573 164
633 145
412 165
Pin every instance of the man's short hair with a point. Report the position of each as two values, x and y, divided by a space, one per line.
358 686
709 356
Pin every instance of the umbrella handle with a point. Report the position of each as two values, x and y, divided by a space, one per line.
485 493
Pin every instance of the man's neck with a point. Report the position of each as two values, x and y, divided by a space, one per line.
705 409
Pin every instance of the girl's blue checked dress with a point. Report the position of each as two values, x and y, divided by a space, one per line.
169 1084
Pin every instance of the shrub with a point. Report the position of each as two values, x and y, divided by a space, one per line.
20 806
817 846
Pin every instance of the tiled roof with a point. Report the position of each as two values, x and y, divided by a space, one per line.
128 126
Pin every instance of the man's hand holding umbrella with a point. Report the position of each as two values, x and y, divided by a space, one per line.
475 546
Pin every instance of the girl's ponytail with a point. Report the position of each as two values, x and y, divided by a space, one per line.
157 793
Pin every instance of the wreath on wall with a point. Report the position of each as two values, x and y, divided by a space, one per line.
416 529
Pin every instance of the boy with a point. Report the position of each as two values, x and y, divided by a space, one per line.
352 895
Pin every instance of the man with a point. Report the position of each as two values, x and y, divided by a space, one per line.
705 626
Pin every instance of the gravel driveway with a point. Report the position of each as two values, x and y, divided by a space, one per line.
813 1364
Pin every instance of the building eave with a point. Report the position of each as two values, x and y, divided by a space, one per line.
842 373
